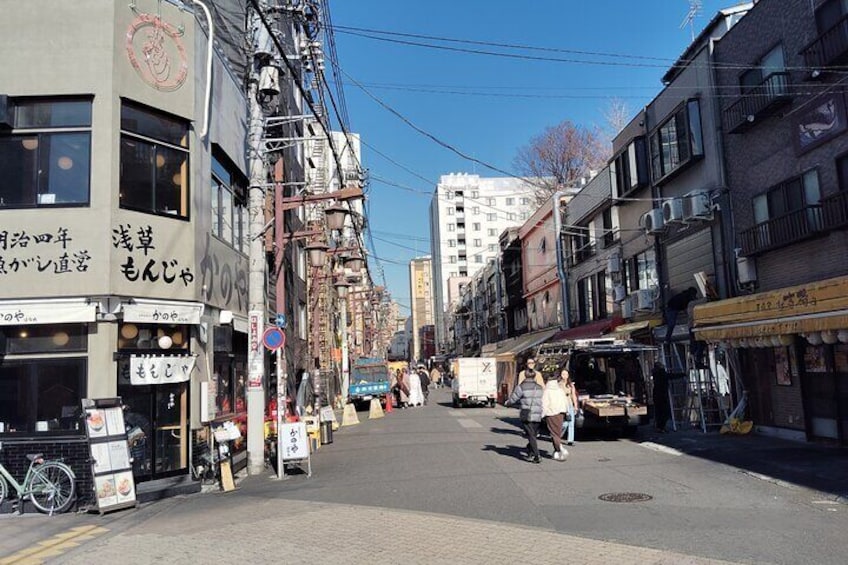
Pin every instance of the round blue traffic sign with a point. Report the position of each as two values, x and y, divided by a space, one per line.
273 339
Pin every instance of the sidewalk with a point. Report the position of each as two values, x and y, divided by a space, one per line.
807 465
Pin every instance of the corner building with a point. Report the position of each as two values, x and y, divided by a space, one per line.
123 232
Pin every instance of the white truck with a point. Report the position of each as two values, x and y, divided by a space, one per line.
474 381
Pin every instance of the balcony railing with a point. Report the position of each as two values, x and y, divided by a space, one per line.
782 231
835 211
760 101
828 48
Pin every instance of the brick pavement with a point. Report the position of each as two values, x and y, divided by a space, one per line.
309 533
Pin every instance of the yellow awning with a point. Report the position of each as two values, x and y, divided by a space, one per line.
813 307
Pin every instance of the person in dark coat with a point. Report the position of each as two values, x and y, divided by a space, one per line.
529 394
677 304
425 382
662 407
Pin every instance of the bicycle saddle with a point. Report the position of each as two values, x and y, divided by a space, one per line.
34 456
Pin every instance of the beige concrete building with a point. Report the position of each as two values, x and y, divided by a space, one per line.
421 306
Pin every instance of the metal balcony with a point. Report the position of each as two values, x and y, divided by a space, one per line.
782 231
759 102
835 211
831 47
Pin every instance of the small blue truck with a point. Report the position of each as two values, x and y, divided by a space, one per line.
369 379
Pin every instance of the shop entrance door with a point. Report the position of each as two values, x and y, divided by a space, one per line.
819 393
157 426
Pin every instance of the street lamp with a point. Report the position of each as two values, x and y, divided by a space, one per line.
317 253
342 287
336 216
354 262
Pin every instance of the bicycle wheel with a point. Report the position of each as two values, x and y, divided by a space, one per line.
4 490
52 488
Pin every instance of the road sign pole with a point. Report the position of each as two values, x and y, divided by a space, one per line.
282 382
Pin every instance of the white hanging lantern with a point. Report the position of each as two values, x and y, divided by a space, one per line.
829 337
786 339
842 336
775 341
814 338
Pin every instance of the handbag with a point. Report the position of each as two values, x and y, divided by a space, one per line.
524 413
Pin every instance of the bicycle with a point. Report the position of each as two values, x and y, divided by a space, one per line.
207 470
50 485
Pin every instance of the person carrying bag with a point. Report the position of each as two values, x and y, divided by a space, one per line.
529 394
554 410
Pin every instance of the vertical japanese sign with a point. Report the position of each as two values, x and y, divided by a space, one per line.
255 352
295 441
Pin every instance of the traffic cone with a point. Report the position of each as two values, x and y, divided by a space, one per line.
350 418
389 403
376 410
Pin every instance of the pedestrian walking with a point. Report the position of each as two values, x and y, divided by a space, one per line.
572 404
529 394
425 382
554 409
531 372
416 395
436 376
402 389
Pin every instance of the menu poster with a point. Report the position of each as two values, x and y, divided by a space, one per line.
100 458
107 494
115 421
95 422
125 486
295 441
119 455
111 464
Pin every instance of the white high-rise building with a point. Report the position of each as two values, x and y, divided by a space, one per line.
467 214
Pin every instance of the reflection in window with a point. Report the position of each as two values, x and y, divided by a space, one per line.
46 158
154 162
41 395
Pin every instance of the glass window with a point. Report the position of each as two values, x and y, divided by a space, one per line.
451 227
490 201
450 210
510 201
41 395
475 227
492 217
50 167
43 339
144 337
478 243
154 162
451 243
675 143
229 203
492 232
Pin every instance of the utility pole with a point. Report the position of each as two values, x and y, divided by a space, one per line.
256 273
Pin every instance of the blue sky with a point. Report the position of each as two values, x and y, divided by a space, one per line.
486 106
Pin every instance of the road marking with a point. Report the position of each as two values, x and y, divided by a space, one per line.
467 423
661 448
56 545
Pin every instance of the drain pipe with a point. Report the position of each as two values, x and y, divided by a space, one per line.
565 302
208 94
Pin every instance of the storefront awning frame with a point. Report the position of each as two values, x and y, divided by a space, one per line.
515 346
47 311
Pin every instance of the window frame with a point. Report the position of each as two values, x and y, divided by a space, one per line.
783 188
681 118
240 240
42 133
156 143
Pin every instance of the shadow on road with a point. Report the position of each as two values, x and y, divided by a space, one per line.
508 450
810 465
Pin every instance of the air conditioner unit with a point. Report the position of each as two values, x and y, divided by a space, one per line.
643 300
673 211
746 270
618 293
626 308
652 221
698 207
614 263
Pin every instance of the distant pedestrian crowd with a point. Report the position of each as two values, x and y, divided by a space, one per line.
411 385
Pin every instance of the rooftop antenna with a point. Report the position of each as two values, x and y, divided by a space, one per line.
695 7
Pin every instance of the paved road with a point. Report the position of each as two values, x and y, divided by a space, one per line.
437 484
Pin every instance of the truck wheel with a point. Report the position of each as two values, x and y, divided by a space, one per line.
491 403
455 402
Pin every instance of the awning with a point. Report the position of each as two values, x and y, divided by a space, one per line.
627 331
487 349
597 328
47 311
509 348
814 307
162 312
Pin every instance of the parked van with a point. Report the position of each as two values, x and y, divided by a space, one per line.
474 381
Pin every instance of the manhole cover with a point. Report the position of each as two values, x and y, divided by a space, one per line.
625 497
